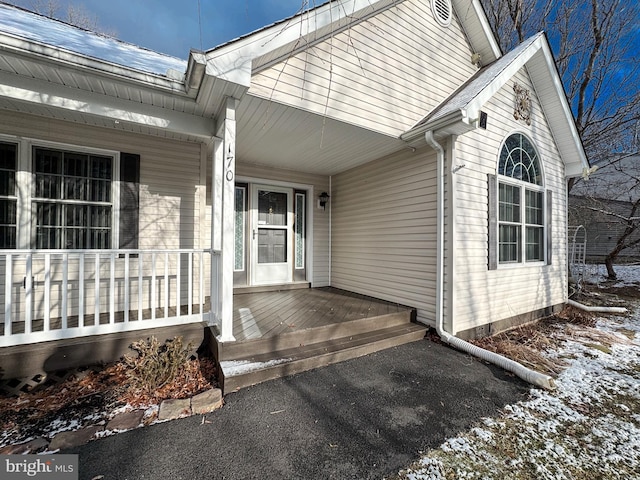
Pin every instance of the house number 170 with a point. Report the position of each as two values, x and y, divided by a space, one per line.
229 174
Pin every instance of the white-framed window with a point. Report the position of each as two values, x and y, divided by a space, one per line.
72 199
60 196
521 211
8 194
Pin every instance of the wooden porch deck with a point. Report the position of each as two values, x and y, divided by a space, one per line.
280 333
268 314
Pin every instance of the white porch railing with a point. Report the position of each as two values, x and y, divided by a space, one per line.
56 294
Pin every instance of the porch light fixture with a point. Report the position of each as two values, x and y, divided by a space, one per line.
323 198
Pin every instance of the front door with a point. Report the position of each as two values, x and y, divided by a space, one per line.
271 234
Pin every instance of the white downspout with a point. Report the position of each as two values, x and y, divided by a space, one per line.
330 226
531 376
597 309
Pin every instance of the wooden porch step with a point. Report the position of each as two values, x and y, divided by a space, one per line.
243 372
247 348
280 287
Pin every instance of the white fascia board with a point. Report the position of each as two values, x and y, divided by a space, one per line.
196 69
484 21
41 52
472 15
539 46
232 62
474 106
60 97
415 135
581 162
574 169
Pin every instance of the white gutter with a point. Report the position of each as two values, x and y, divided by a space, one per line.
531 376
596 309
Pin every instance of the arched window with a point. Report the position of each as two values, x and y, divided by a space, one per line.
519 160
521 202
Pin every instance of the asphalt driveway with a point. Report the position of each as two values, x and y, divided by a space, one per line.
363 418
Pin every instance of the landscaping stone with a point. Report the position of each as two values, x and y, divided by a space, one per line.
206 402
126 420
174 408
26 447
74 439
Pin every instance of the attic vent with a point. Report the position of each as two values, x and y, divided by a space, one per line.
442 11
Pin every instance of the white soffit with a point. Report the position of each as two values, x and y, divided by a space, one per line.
314 144
53 96
476 26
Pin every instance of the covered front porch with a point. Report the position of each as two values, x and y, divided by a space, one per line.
291 329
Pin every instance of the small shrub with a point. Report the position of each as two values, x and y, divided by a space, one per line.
156 364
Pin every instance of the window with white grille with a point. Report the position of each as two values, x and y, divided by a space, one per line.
72 202
521 208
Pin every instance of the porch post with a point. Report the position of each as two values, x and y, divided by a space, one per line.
224 163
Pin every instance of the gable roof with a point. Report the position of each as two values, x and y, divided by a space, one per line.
236 60
461 111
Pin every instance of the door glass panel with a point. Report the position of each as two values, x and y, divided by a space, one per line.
299 230
239 229
272 245
272 208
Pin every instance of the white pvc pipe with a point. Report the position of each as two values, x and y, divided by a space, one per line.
587 308
528 375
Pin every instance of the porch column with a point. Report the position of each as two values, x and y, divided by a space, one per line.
223 212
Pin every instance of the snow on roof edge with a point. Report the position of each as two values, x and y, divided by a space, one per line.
34 27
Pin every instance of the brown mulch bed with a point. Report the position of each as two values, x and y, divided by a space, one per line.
92 397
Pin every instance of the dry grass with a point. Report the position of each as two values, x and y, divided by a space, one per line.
110 384
526 345
576 316
530 343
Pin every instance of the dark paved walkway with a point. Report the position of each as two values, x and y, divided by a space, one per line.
364 418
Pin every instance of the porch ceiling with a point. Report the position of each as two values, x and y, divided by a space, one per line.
279 136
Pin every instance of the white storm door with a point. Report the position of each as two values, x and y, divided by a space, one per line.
271 234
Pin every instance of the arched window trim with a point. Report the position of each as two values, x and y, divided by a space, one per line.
537 159
522 209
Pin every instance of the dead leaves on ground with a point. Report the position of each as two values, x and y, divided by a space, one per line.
532 344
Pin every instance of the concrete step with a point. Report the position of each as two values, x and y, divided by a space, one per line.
265 345
243 372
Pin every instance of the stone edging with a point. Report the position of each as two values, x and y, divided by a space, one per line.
171 409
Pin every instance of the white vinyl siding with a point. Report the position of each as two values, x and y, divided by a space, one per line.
171 199
482 295
384 73
384 230
169 174
320 184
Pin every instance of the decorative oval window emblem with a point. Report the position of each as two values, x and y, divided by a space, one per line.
443 11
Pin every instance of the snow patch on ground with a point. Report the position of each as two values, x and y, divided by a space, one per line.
589 427
231 368
628 275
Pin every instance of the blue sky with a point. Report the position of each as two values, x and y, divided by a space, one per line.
171 26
